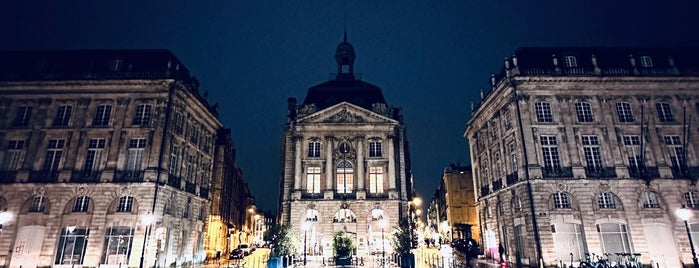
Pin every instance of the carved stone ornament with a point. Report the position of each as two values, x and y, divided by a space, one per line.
40 190
561 187
82 190
124 191
308 109
344 205
344 116
311 206
377 205
603 188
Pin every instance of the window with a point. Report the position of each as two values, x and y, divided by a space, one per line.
117 64
314 149
513 157
516 204
691 199
376 214
569 238
345 148
374 149
72 246
312 215
179 123
92 159
187 206
584 111
549 147
593 157
650 200
677 153
125 204
189 173
102 115
508 120
664 112
493 130
38 204
344 215
520 240
14 155
605 200
81 204
117 245
142 115
376 180
62 116
623 111
133 157
22 116
646 61
313 180
543 112
497 170
633 151
174 161
614 238
53 157
193 133
560 200
345 177
570 61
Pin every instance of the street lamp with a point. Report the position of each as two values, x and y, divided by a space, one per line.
382 224
147 220
684 214
4 218
305 226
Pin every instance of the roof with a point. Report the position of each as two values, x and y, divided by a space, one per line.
357 92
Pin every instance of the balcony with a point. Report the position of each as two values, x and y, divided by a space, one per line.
562 172
497 185
128 176
43 176
512 178
8 176
600 172
685 172
204 192
376 195
485 190
351 195
309 195
190 187
80 176
175 182
643 172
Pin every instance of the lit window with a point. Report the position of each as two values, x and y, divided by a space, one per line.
570 61
142 115
623 111
22 116
646 61
605 200
614 238
314 149
125 204
543 112
376 180
560 200
345 177
664 112
313 180
102 115
311 215
344 215
650 200
62 116
374 149
549 147
376 214
81 204
584 112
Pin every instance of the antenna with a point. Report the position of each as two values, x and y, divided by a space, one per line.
344 17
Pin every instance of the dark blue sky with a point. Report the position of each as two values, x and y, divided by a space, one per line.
430 57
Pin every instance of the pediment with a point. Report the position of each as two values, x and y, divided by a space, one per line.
346 113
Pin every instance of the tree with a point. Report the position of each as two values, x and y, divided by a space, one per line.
343 245
281 240
401 237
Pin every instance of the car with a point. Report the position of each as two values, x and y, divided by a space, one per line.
245 248
236 254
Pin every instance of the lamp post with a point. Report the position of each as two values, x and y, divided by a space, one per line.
147 220
305 248
383 224
684 214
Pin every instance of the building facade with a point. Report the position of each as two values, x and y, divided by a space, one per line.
589 150
106 157
346 165
452 210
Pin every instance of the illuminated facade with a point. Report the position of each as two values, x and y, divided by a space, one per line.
452 209
588 150
346 163
106 159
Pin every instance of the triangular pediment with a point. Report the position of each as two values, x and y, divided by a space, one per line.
346 113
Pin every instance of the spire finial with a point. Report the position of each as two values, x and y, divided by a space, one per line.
345 39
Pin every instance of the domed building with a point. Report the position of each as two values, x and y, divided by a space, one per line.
346 164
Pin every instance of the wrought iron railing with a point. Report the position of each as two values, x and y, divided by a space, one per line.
600 172
190 187
512 178
43 176
561 172
497 184
309 195
128 176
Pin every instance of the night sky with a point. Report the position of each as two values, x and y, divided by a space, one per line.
430 57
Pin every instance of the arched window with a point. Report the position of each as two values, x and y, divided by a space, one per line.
82 203
606 200
344 215
650 200
312 215
345 177
376 214
125 204
560 200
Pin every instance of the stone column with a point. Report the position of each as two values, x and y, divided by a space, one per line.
361 193
297 162
328 167
391 165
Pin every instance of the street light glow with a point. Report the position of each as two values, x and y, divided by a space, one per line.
417 201
684 213
147 219
5 217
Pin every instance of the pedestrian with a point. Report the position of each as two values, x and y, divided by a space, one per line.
501 250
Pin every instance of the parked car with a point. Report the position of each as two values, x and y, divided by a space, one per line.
236 254
245 248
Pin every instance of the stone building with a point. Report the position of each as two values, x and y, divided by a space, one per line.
588 150
346 164
452 211
106 159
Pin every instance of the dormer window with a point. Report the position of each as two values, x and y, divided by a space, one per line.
646 61
117 64
570 61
